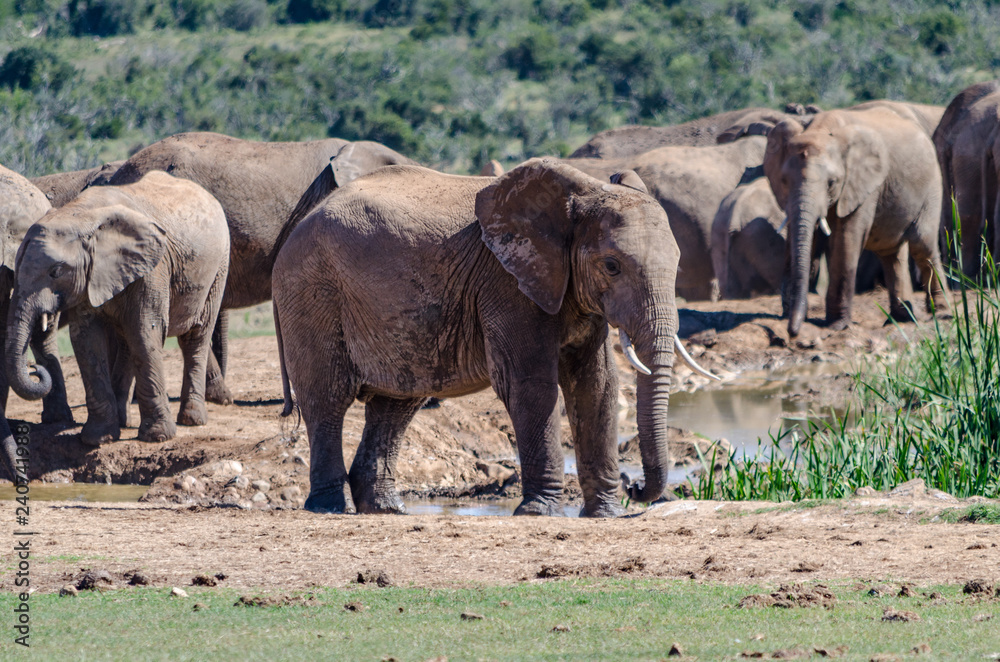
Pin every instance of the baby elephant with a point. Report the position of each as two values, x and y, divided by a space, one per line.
131 265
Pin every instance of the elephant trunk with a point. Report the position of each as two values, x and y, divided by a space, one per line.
801 226
652 401
21 322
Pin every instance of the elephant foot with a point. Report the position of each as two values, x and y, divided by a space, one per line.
903 313
331 501
57 412
539 507
839 324
217 392
603 509
192 414
377 498
95 433
157 430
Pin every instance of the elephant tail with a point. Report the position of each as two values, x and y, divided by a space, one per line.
286 387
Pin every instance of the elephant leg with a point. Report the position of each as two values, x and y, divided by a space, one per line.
845 251
525 376
121 377
373 472
896 270
195 346
89 335
55 406
589 380
215 383
924 249
329 490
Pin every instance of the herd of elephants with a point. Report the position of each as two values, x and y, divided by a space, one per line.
393 283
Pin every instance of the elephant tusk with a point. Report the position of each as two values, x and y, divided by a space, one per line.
784 224
824 226
45 322
691 362
630 353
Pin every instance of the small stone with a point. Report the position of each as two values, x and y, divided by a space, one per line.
675 650
187 483
241 482
68 590
261 485
259 497
95 579
291 493
298 459
471 616
911 488
866 491
198 606
139 579
355 607
378 577
178 593
561 628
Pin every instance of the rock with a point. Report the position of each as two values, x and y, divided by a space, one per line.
291 493
675 650
866 491
261 485
940 495
378 577
187 484
891 615
911 488
68 591
138 579
224 468
496 473
241 482
561 628
204 580
472 616
298 459
354 606
178 593
259 497
198 606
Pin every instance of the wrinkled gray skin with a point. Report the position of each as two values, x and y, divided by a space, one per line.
21 204
873 175
629 141
409 283
259 185
746 244
61 187
968 149
143 261
690 183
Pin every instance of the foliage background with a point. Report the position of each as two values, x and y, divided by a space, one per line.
454 83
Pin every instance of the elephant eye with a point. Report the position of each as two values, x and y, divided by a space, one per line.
57 270
612 266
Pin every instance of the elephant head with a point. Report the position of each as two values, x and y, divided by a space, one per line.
580 247
73 257
824 172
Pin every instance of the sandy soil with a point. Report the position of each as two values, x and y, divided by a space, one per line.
225 497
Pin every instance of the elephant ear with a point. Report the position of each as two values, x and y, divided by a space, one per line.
527 223
775 155
865 168
125 247
358 159
630 179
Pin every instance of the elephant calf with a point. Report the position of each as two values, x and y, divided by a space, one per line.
141 262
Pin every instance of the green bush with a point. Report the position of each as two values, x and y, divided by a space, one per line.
32 67
105 18
245 15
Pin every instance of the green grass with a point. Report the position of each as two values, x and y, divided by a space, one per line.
608 619
980 513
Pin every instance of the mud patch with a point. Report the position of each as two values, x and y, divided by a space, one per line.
277 601
792 596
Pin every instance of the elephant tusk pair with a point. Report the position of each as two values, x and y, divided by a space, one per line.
824 226
630 354
45 322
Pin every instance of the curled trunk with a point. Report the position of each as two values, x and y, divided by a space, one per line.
22 320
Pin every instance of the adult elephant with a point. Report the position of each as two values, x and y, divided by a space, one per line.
61 187
409 283
259 185
968 150
629 141
870 179
142 262
690 183
21 204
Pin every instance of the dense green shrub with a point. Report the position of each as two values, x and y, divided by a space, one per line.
30 67
245 15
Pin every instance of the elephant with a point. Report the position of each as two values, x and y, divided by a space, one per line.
61 187
633 140
409 283
21 204
869 179
130 265
968 150
260 185
748 236
690 183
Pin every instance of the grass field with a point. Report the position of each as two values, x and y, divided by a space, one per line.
603 619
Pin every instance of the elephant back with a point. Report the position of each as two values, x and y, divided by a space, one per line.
21 204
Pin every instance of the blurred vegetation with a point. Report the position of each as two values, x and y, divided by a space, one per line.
454 83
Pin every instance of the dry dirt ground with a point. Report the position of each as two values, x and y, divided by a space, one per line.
225 497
